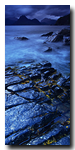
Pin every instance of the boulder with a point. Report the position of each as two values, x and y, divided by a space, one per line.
58 38
21 38
65 32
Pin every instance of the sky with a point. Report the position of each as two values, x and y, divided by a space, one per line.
37 11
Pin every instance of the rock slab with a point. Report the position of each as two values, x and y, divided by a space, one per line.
37 106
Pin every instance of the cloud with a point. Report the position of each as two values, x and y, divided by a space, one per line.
58 10
37 11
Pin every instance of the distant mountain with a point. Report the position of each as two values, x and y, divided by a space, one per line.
23 20
65 20
47 21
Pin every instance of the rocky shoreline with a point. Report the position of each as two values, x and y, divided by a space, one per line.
61 36
37 106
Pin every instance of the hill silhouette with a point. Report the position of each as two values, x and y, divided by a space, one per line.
23 20
65 20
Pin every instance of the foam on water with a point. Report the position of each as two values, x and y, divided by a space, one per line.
32 51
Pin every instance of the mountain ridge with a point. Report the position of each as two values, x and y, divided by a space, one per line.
23 20
48 21
65 20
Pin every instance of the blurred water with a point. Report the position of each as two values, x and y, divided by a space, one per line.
32 51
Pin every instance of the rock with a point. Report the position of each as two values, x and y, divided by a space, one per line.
12 80
66 40
63 141
64 82
14 100
45 67
35 76
65 32
52 37
47 64
66 85
44 43
37 111
19 87
58 90
49 73
61 81
29 94
44 88
48 34
48 50
21 38
63 35
56 76
20 125
58 38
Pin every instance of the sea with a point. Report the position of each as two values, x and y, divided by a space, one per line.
25 53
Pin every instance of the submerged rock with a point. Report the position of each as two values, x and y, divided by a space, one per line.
21 38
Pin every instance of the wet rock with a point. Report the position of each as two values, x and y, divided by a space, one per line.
65 32
29 94
44 43
21 38
12 79
41 139
67 85
43 69
37 109
49 73
61 81
63 141
56 76
48 50
44 88
19 87
48 34
66 40
58 38
58 90
34 77
20 122
47 64
14 100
